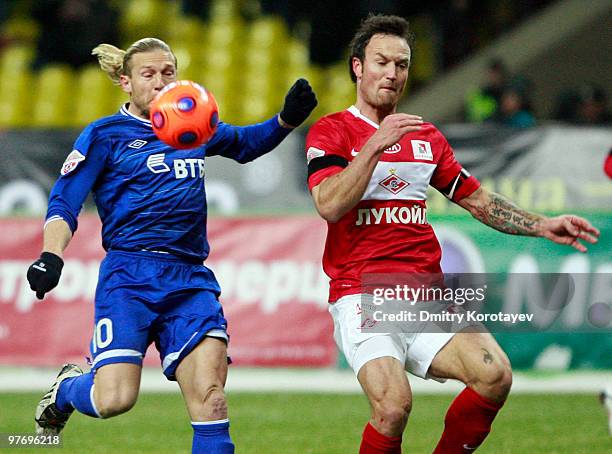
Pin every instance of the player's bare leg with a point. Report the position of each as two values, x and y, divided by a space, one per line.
478 361
111 391
201 376
385 383
116 388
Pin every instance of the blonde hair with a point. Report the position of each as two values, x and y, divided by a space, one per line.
116 62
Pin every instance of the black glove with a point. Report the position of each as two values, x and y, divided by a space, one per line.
44 273
299 102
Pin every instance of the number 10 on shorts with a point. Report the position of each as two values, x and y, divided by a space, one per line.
103 334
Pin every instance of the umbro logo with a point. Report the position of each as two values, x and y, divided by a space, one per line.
138 143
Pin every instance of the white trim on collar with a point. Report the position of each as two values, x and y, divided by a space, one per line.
127 113
355 111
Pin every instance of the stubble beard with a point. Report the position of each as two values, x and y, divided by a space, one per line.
386 103
144 109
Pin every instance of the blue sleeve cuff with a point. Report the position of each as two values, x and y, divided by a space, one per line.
56 214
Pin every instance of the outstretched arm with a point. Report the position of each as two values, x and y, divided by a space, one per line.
502 214
245 143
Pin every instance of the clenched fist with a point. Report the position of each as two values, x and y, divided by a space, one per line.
299 103
44 273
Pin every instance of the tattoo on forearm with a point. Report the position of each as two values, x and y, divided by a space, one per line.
503 215
487 357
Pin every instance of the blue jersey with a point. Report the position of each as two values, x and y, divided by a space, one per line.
149 195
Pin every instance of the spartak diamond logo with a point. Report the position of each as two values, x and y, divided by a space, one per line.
394 184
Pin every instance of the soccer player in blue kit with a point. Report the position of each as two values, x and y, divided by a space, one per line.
152 284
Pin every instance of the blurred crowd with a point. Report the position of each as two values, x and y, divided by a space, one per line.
69 29
460 26
505 98
586 104
70 26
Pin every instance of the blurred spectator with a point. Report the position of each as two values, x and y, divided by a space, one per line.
515 106
334 21
482 103
71 28
585 105
291 12
593 107
566 108
462 26
459 25
6 8
467 25
330 22
198 8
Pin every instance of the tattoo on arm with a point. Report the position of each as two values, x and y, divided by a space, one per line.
487 357
503 215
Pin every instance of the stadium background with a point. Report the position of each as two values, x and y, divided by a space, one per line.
266 239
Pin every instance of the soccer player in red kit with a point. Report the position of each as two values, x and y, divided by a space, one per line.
369 167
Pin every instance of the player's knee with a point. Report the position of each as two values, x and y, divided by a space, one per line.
391 415
114 403
504 382
495 381
218 408
212 403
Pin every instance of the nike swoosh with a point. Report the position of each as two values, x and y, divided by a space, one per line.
465 446
354 153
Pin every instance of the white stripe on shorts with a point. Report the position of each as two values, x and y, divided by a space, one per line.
115 353
171 357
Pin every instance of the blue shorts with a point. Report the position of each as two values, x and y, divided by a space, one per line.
145 297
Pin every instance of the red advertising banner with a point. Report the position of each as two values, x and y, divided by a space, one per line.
274 293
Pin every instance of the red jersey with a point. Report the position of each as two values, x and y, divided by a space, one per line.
387 231
608 165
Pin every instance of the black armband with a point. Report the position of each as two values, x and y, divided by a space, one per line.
324 162
454 185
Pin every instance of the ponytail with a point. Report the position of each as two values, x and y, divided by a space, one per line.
116 62
110 59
